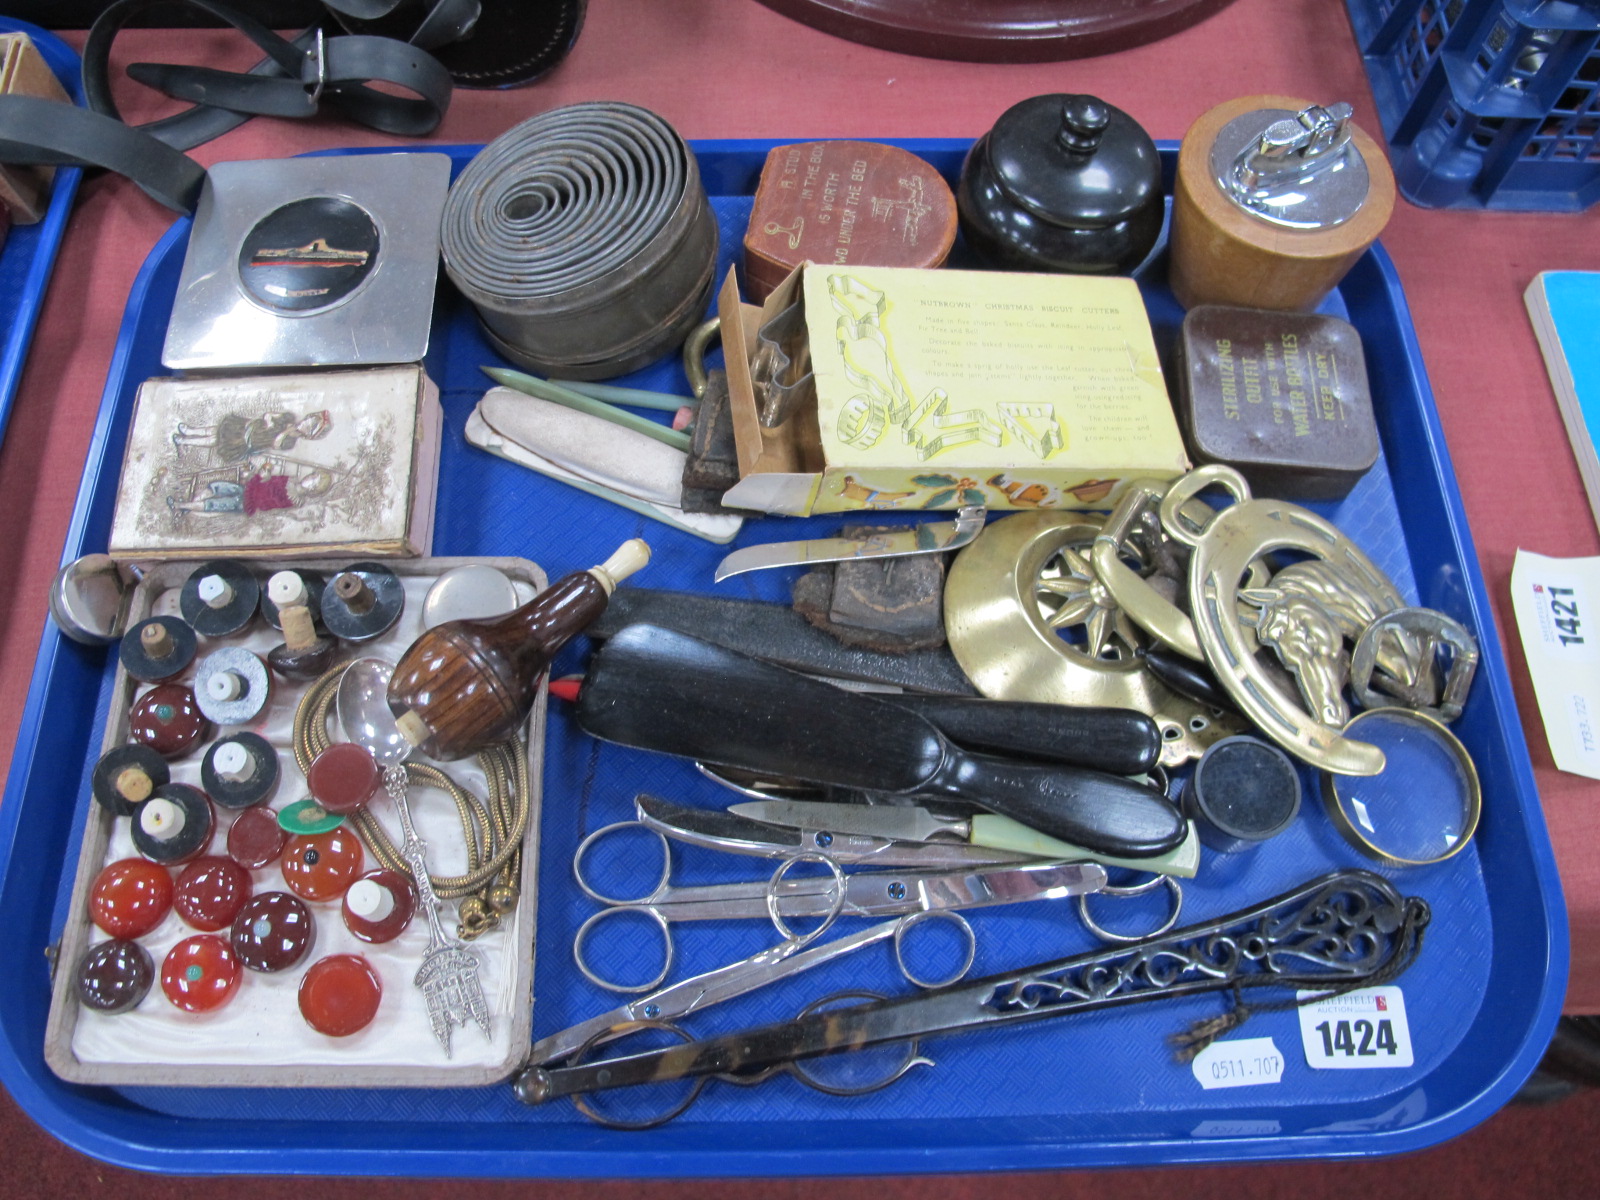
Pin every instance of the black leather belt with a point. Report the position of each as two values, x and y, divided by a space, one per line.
295 80
584 239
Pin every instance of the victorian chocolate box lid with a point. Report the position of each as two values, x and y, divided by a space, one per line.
318 463
845 203
936 389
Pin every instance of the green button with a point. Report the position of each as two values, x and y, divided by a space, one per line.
307 816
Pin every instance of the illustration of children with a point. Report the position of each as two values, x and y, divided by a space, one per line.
237 438
261 491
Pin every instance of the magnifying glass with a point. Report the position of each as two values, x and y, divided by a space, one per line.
1422 807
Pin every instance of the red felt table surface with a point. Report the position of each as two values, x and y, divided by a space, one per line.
732 68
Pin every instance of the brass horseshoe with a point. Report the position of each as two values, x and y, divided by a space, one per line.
1222 553
1174 505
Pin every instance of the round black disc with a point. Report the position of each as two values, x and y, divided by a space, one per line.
198 823
230 617
137 661
388 598
1247 789
148 669
103 779
264 776
315 583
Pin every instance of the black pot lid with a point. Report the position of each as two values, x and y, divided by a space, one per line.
1074 160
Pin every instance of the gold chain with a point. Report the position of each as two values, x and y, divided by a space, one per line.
493 833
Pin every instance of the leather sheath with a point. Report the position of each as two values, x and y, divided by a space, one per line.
777 633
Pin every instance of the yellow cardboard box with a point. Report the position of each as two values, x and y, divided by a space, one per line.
935 389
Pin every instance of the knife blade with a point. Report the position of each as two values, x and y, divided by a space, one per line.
718 829
931 537
911 824
899 823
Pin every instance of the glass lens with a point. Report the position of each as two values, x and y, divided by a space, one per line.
855 1072
1423 805
647 1105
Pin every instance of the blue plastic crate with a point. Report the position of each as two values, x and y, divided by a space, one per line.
1487 103
1095 1090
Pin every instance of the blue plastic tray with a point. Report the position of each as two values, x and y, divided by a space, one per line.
30 250
1081 1091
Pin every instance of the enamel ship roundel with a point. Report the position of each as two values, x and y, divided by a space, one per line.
308 254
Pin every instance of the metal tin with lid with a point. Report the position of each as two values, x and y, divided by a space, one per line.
1062 183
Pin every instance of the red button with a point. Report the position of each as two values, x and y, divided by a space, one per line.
200 973
130 897
319 866
378 906
168 719
339 995
210 892
255 839
344 777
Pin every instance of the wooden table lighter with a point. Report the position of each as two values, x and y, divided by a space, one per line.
1275 200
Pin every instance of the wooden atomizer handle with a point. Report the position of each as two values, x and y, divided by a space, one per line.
464 685
1223 254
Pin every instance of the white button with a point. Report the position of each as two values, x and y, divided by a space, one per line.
233 762
369 899
161 819
286 588
215 591
225 686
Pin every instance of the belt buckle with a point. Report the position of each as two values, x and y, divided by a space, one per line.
314 71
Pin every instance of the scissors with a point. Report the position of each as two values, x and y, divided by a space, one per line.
1285 942
778 898
796 953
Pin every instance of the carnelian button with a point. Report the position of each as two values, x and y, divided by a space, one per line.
114 976
210 892
255 839
130 897
168 719
379 906
320 866
273 932
344 777
339 995
200 973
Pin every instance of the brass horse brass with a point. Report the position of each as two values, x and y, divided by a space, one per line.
1314 649
1018 588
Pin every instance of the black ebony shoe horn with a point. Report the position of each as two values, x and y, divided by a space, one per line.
654 689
